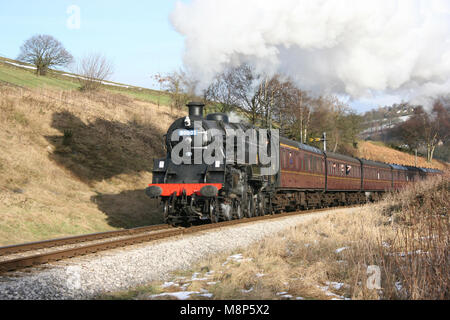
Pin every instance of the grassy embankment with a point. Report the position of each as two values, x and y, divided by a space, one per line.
379 152
56 79
73 162
406 237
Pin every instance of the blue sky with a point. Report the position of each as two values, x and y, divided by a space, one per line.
135 34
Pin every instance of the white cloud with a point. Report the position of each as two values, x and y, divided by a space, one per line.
356 48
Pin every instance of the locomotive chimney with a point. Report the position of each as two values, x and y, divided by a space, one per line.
195 109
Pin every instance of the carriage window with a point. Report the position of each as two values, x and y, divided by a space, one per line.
348 169
378 175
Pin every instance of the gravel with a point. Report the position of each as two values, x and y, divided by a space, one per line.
126 268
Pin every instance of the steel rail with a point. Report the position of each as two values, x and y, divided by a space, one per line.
77 239
39 259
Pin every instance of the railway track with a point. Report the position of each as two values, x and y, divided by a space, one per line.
92 243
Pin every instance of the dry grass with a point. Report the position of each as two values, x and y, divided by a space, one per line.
74 163
329 258
371 151
418 257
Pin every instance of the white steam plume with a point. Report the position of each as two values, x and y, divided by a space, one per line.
357 48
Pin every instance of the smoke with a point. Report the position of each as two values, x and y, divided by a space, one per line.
233 117
358 48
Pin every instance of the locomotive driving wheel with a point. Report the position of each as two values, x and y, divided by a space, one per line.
213 211
166 208
261 205
250 202
237 210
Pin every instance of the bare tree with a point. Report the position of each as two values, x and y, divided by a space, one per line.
44 51
426 129
342 125
221 92
246 91
434 127
297 113
180 85
93 69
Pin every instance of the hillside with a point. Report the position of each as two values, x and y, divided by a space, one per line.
380 120
379 152
74 162
20 74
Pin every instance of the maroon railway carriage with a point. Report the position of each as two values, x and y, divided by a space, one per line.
413 174
399 176
377 176
431 172
301 166
343 173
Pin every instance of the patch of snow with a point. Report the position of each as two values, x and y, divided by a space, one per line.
404 118
328 293
102 82
181 295
169 284
336 285
20 65
236 258
247 291
341 249
195 277
184 286
260 275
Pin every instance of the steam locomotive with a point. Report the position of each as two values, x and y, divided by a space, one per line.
304 177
